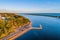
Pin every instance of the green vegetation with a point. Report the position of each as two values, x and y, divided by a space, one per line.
10 23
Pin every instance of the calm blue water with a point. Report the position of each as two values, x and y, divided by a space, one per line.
51 28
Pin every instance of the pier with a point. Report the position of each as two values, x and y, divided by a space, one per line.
37 28
21 31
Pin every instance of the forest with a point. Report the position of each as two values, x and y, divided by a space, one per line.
10 22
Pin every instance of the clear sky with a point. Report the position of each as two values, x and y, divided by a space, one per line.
31 6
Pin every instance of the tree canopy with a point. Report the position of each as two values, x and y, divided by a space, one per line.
11 22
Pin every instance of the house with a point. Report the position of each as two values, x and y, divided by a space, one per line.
1 17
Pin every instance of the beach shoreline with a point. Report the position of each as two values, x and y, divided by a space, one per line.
19 32
13 37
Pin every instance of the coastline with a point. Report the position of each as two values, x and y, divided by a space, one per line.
21 28
20 33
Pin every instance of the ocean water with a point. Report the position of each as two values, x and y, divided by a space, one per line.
50 31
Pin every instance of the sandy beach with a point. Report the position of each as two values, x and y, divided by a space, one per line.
13 37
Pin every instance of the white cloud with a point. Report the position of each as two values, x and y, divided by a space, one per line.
41 10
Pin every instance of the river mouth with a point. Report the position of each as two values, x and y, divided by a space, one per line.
51 28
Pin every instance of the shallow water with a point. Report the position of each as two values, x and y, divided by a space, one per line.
50 31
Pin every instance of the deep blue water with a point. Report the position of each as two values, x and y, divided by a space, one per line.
50 31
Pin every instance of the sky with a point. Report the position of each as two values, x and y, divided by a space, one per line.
31 6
